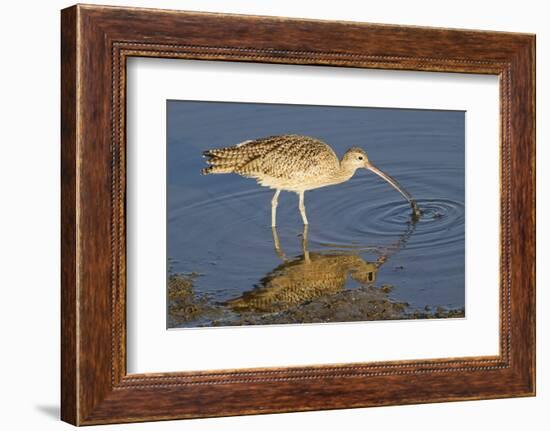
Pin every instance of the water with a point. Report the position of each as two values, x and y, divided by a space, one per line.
219 225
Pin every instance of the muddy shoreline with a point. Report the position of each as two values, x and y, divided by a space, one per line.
366 303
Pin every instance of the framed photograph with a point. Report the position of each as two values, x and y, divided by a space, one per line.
265 214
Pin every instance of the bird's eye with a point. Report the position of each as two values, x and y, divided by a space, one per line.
360 157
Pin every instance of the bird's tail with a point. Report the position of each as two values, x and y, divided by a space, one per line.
224 160
218 164
215 170
235 303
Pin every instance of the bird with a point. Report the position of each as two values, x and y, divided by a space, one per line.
305 278
294 163
298 281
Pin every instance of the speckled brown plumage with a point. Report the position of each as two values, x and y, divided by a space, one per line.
288 162
301 280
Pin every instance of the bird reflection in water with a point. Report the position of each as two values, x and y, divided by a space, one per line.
312 275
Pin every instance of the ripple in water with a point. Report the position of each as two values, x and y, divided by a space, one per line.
347 220
441 222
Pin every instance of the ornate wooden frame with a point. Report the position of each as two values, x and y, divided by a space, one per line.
95 42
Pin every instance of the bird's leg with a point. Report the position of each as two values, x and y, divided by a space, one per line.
277 244
302 207
274 203
305 249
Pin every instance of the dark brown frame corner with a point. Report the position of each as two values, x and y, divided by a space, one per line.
95 43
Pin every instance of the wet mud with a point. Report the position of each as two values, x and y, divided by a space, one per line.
365 303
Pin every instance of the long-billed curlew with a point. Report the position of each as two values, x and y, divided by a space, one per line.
293 163
314 274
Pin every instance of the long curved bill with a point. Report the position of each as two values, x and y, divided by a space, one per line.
393 182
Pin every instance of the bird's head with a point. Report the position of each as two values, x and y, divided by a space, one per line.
364 272
355 158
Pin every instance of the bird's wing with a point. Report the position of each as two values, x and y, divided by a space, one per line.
288 157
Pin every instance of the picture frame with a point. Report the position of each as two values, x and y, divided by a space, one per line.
96 42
